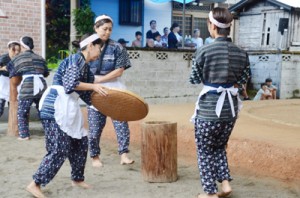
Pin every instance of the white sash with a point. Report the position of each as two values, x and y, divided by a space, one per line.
67 112
4 87
37 83
230 91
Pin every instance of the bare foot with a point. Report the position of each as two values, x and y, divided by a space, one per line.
27 138
96 162
226 189
207 196
125 160
35 190
81 184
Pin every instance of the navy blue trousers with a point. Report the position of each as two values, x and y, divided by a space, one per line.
60 146
97 122
211 139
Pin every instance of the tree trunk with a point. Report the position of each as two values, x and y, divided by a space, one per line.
12 128
159 151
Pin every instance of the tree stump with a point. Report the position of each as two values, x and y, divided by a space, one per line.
159 151
12 128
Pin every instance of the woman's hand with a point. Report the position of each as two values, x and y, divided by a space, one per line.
3 68
100 89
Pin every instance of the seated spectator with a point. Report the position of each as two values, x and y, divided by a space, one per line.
208 40
164 38
271 88
150 34
138 40
197 40
123 42
263 93
157 41
174 37
150 43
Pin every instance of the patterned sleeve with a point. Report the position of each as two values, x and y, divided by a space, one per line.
72 73
11 69
245 73
122 58
197 68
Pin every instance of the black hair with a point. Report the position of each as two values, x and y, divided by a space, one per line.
28 41
174 25
263 84
152 21
156 34
138 33
222 15
13 45
268 80
166 28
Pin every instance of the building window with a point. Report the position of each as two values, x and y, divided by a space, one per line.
130 12
192 23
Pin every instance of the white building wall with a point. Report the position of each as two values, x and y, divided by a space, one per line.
161 12
111 8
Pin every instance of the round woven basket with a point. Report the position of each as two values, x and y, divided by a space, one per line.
121 105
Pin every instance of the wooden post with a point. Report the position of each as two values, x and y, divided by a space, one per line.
159 151
12 128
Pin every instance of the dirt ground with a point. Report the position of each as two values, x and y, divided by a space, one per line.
264 157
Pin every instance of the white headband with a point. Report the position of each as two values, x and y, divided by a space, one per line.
103 17
10 42
217 23
88 40
23 44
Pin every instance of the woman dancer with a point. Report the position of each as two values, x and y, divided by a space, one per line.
62 119
108 69
13 50
33 69
221 67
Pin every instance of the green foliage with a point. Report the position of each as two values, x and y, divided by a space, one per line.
296 93
57 26
83 20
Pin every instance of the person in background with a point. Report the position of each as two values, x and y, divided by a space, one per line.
14 49
33 70
138 40
197 40
150 34
62 119
271 87
218 103
174 38
108 69
157 41
208 40
123 42
164 38
263 93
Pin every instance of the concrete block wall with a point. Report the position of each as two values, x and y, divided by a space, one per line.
23 19
161 76
290 75
284 69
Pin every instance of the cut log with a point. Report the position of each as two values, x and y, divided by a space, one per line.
159 151
12 128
